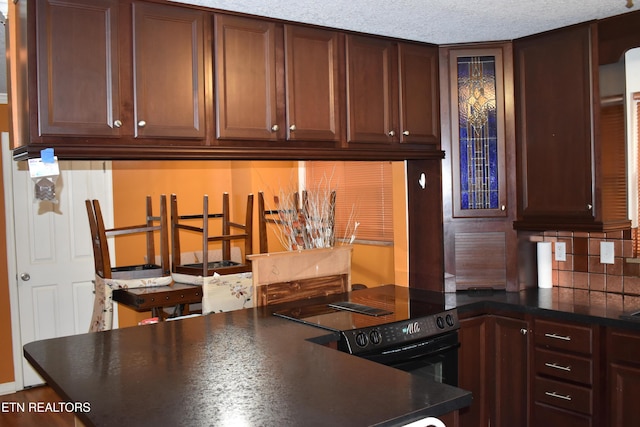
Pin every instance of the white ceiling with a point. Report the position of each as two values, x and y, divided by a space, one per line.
432 21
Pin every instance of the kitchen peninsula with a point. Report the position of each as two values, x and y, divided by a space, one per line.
244 367
248 367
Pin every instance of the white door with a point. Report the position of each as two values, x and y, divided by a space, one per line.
54 258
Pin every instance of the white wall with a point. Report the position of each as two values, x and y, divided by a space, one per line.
632 73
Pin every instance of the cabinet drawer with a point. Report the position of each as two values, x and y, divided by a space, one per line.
563 366
549 416
623 346
570 337
563 395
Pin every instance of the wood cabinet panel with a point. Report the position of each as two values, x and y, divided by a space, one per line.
571 173
371 96
623 374
563 336
550 416
314 105
511 372
245 78
77 68
117 70
554 93
169 72
473 369
419 104
563 395
563 366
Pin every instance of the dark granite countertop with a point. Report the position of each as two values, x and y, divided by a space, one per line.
606 309
248 367
244 367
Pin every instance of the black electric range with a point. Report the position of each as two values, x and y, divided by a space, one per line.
382 320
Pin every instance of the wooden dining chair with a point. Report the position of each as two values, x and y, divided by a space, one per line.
114 281
153 225
200 224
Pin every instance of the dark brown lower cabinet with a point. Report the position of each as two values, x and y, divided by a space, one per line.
494 366
623 377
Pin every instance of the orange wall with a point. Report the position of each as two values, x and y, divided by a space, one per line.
6 348
190 180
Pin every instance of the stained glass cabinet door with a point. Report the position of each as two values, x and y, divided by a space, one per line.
478 140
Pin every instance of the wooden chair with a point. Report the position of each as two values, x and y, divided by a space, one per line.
278 217
120 283
206 267
152 225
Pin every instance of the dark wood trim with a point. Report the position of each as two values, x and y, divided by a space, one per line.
157 152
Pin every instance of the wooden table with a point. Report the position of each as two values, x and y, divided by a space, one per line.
154 298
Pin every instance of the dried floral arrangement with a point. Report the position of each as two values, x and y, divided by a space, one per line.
306 219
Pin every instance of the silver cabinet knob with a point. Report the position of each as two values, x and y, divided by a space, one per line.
292 128
275 128
503 208
589 206
142 123
117 123
391 133
523 331
405 133
25 277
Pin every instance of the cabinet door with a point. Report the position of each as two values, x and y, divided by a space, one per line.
77 68
511 372
371 95
245 79
419 95
312 84
169 71
473 369
554 125
623 374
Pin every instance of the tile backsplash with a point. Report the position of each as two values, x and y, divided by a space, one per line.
583 269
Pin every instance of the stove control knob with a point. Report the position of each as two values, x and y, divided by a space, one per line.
361 339
440 322
449 319
375 337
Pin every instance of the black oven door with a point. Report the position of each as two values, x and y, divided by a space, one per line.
435 358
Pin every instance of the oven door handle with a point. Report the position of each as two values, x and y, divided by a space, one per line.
407 353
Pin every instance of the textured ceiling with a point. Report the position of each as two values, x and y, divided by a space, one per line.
432 21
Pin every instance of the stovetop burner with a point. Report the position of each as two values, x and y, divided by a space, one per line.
378 318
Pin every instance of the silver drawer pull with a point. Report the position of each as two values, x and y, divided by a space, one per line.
558 337
558 396
556 366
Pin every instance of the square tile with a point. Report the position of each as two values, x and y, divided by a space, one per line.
581 246
581 263
581 280
565 279
597 282
613 284
631 285
595 266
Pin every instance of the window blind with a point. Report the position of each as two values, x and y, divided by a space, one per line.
363 195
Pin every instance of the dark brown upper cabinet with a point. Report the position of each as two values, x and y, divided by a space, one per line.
114 71
563 175
392 92
168 72
277 82
245 74
135 79
314 87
